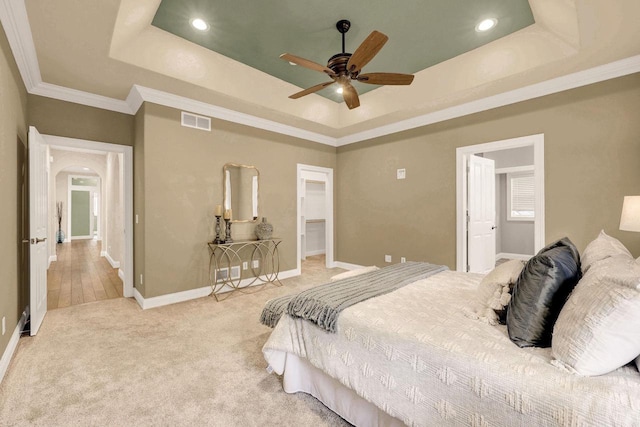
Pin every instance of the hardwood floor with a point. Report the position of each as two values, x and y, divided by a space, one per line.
81 275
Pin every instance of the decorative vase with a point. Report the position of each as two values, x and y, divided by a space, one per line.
60 236
264 230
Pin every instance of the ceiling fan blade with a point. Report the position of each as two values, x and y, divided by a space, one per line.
310 90
385 78
306 63
350 96
366 51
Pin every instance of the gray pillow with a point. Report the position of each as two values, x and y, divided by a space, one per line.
540 292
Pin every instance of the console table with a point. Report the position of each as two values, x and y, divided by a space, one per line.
231 263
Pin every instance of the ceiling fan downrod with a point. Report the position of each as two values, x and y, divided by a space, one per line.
343 26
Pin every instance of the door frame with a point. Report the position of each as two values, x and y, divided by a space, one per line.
462 157
64 143
91 190
328 172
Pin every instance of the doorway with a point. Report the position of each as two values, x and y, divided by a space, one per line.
120 222
315 215
464 193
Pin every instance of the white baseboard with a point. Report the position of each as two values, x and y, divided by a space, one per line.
121 274
11 347
506 255
103 253
159 301
317 252
347 266
52 258
114 264
81 237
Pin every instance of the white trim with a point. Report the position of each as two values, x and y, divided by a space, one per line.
11 346
13 15
177 297
347 266
52 258
15 22
114 264
328 173
81 237
316 252
507 255
121 274
127 163
181 103
514 169
462 155
589 76
81 97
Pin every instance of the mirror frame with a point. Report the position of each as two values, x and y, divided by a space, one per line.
224 190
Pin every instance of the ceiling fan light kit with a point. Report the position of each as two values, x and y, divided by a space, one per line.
343 68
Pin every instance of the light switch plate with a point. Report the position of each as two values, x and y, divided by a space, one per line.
387 258
401 173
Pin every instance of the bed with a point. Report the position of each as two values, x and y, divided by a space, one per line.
416 357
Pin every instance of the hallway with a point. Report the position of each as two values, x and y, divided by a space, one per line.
81 275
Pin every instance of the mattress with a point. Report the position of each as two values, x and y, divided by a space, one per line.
418 356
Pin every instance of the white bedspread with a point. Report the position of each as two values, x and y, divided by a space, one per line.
417 356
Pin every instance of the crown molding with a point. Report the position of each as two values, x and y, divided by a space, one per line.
81 97
597 74
182 103
13 15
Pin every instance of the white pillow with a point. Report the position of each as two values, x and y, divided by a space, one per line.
603 247
597 330
494 291
352 273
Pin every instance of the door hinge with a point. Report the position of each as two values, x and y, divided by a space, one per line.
468 268
468 218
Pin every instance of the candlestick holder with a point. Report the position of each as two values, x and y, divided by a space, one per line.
228 238
218 240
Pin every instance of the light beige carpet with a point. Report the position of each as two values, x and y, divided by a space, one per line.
194 363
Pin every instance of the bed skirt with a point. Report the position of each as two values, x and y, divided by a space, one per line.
300 375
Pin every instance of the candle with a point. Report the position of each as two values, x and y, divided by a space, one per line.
219 210
227 214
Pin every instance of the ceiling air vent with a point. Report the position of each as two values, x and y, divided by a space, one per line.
194 121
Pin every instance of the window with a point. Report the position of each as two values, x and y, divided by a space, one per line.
520 196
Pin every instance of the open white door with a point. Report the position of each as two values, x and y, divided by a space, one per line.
38 226
302 197
481 215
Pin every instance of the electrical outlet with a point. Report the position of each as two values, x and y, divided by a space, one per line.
245 265
4 324
401 173
387 258
403 259
255 263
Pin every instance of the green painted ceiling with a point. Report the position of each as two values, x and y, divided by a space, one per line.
421 33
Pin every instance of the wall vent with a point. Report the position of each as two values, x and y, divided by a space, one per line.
191 120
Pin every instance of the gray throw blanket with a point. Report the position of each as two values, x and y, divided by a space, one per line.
322 304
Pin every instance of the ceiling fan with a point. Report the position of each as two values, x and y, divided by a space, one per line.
343 68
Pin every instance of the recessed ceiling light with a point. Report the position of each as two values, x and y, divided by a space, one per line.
486 24
199 24
339 90
85 169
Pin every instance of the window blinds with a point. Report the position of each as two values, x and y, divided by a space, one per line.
522 195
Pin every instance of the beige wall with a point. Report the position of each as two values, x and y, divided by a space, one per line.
13 125
182 171
61 118
592 160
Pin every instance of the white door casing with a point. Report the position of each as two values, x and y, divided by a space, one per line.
38 227
482 215
327 174
462 156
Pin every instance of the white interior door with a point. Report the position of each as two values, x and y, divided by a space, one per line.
481 215
302 196
38 226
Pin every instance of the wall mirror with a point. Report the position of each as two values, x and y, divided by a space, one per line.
241 184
